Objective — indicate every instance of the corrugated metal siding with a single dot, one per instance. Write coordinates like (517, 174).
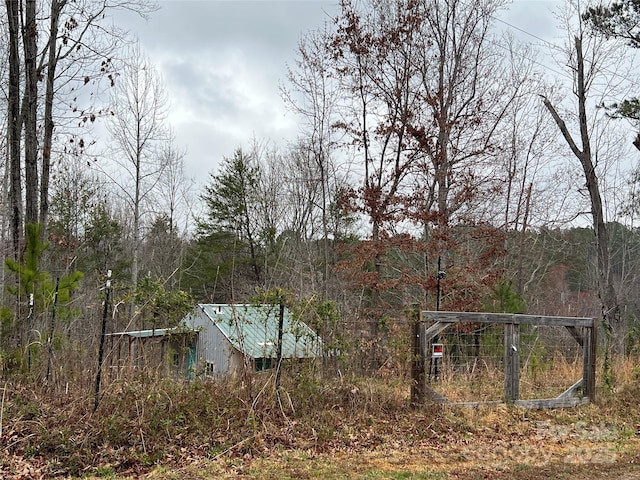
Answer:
(254, 330)
(213, 350)
(236, 361)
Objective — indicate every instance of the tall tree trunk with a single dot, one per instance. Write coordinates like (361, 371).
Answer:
(29, 39)
(325, 223)
(56, 7)
(606, 287)
(523, 239)
(14, 127)
(252, 244)
(136, 216)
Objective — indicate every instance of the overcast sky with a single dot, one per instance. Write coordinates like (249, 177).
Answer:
(223, 61)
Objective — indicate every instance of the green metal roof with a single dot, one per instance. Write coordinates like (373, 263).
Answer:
(253, 330)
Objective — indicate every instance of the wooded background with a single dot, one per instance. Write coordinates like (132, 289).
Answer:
(430, 145)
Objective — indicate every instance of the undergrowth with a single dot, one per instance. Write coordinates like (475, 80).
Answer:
(145, 421)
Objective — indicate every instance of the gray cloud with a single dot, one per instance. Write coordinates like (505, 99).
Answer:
(222, 62)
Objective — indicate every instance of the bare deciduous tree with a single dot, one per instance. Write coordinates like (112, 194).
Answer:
(313, 96)
(589, 58)
(173, 194)
(139, 131)
(69, 45)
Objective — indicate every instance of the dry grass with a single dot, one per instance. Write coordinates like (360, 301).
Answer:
(336, 428)
(483, 381)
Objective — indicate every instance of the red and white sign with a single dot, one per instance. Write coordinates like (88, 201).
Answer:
(437, 350)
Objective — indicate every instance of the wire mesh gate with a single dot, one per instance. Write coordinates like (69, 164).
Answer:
(497, 358)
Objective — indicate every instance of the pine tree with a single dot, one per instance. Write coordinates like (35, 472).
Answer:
(619, 20)
(231, 201)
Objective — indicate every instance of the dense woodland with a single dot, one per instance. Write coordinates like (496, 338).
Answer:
(431, 140)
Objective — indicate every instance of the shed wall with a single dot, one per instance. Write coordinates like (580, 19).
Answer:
(213, 351)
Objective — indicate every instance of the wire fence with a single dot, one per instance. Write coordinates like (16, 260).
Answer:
(472, 367)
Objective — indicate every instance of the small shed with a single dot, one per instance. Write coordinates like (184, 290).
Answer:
(232, 335)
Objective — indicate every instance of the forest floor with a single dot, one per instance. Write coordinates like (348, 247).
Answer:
(382, 463)
(547, 446)
(504, 443)
(357, 430)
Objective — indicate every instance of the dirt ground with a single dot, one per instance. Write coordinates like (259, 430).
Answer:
(394, 466)
(549, 451)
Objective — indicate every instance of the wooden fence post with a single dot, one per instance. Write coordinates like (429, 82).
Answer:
(511, 362)
(589, 362)
(418, 377)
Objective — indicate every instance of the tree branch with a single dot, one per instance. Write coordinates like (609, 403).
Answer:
(562, 126)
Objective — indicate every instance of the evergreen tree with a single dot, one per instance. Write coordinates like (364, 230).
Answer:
(504, 299)
(619, 20)
(159, 307)
(231, 200)
(35, 290)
